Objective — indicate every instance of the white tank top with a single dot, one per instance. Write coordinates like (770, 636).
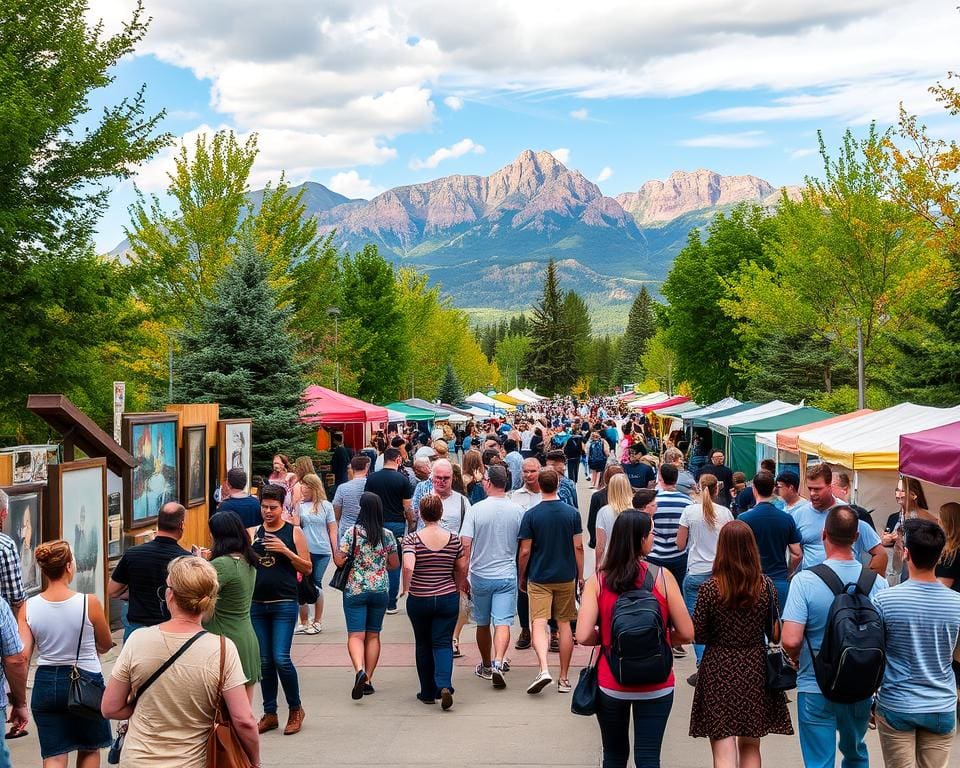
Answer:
(55, 627)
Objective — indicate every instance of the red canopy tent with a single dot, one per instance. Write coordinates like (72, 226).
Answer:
(327, 408)
(679, 399)
(932, 455)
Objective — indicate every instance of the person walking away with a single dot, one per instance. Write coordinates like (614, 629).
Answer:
(722, 472)
(67, 629)
(490, 535)
(776, 534)
(598, 500)
(666, 524)
(514, 461)
(434, 574)
(619, 498)
(699, 531)
(396, 495)
(573, 451)
(731, 704)
(142, 571)
(597, 452)
(235, 562)
(526, 497)
(171, 720)
(239, 501)
(567, 490)
(805, 623)
(314, 515)
(13, 675)
(551, 571)
(626, 569)
(282, 553)
(339, 461)
(346, 499)
(365, 597)
(917, 701)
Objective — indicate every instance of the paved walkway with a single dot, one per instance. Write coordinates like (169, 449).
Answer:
(485, 727)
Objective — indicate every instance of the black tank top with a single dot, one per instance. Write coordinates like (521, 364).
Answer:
(276, 576)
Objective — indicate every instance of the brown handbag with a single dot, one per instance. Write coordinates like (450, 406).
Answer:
(224, 749)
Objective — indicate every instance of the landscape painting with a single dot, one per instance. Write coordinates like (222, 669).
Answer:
(152, 439)
(23, 524)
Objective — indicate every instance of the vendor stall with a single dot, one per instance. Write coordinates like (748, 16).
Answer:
(741, 437)
(334, 410)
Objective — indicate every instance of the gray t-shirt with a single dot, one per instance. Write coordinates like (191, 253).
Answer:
(347, 498)
(493, 524)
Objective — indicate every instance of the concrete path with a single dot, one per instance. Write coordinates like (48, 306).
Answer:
(485, 727)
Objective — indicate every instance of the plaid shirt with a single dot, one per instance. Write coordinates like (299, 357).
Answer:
(11, 580)
(10, 645)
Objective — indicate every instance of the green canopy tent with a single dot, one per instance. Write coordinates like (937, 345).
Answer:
(411, 412)
(705, 419)
(742, 442)
(697, 423)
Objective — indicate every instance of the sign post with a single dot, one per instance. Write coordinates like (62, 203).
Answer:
(119, 401)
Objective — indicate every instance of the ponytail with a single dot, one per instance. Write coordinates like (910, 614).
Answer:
(708, 490)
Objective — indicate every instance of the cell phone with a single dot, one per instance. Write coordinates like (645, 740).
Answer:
(195, 550)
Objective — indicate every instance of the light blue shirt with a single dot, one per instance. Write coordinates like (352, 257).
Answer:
(808, 603)
(922, 624)
(514, 462)
(314, 526)
(810, 522)
(10, 643)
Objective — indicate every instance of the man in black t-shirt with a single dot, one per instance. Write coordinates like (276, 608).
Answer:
(393, 488)
(723, 473)
(339, 462)
(142, 571)
(573, 451)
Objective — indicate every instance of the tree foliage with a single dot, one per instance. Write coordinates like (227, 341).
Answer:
(641, 326)
(549, 363)
(450, 391)
(512, 354)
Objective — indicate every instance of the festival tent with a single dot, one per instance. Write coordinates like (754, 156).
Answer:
(458, 414)
(788, 439)
(932, 455)
(478, 398)
(677, 400)
(720, 405)
(533, 394)
(653, 398)
(741, 437)
(411, 412)
(395, 416)
(665, 418)
(523, 397)
(324, 407)
(503, 398)
(426, 405)
(781, 446)
(720, 425)
(478, 412)
(702, 417)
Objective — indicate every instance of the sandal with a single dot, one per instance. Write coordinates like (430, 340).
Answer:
(456, 650)
(16, 733)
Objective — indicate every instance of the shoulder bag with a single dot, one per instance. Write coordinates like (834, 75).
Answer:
(85, 692)
(584, 699)
(113, 756)
(341, 576)
(224, 749)
(781, 675)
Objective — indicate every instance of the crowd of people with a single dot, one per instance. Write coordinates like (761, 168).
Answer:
(484, 524)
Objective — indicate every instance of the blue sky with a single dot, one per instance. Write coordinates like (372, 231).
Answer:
(363, 96)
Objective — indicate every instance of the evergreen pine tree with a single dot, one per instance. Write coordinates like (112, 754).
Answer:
(451, 391)
(237, 351)
(549, 363)
(641, 326)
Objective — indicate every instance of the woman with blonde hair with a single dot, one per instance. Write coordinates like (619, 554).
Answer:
(302, 467)
(619, 498)
(171, 718)
(68, 629)
(699, 531)
(316, 518)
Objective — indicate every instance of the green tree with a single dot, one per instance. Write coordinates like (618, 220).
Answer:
(512, 354)
(451, 391)
(604, 360)
(659, 362)
(549, 363)
(63, 310)
(576, 317)
(238, 351)
(794, 367)
(641, 326)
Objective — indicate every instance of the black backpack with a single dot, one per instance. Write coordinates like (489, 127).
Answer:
(596, 451)
(850, 663)
(638, 650)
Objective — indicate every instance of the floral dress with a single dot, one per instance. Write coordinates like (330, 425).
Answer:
(369, 572)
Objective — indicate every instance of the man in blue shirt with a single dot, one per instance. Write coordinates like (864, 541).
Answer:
(514, 461)
(775, 532)
(239, 501)
(567, 492)
(804, 622)
(638, 472)
(917, 701)
(810, 519)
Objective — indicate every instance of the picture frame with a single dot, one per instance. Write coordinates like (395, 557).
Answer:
(24, 524)
(193, 462)
(154, 481)
(235, 441)
(77, 512)
(30, 465)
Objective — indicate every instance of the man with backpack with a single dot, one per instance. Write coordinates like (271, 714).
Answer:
(833, 628)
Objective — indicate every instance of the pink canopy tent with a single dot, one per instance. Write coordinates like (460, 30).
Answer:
(324, 406)
(932, 455)
(665, 404)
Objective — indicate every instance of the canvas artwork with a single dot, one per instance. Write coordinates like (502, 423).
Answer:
(236, 447)
(30, 466)
(194, 465)
(23, 526)
(83, 509)
(154, 477)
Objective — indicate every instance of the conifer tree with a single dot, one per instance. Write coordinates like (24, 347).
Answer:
(641, 325)
(237, 350)
(549, 363)
(451, 391)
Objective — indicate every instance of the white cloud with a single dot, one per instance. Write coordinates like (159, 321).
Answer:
(562, 154)
(805, 152)
(349, 184)
(604, 174)
(580, 114)
(462, 147)
(741, 140)
(454, 102)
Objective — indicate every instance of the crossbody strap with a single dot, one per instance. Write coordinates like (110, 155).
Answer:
(163, 667)
(83, 621)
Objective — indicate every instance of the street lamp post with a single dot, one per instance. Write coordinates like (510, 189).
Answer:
(334, 312)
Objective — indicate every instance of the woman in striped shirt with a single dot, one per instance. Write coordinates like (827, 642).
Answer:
(434, 570)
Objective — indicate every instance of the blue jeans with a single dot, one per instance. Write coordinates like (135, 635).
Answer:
(649, 723)
(273, 624)
(821, 721)
(320, 563)
(782, 588)
(433, 620)
(691, 588)
(399, 530)
(363, 612)
(4, 752)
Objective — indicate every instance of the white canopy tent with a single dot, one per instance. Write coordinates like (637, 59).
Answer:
(720, 405)
(651, 399)
(478, 398)
(534, 395)
(523, 397)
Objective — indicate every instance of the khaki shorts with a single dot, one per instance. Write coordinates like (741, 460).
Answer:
(556, 601)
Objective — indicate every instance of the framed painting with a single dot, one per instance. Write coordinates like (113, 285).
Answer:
(23, 525)
(30, 465)
(194, 466)
(236, 448)
(152, 440)
(77, 512)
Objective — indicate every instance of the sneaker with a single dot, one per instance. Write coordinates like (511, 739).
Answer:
(358, 683)
(446, 698)
(496, 674)
(563, 686)
(505, 664)
(311, 629)
(392, 611)
(555, 642)
(368, 689)
(423, 700)
(693, 679)
(317, 626)
(301, 629)
(540, 682)
(484, 672)
(679, 652)
(523, 642)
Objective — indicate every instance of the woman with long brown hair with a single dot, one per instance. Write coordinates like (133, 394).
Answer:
(731, 703)
(473, 475)
(948, 569)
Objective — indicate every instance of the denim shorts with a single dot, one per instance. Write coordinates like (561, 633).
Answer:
(320, 563)
(493, 600)
(59, 731)
(364, 612)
